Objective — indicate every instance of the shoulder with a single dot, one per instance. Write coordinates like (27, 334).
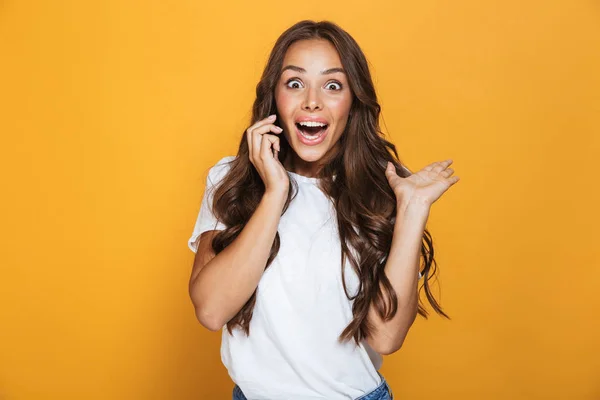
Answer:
(218, 171)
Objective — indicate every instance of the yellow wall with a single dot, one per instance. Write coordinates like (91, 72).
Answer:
(111, 112)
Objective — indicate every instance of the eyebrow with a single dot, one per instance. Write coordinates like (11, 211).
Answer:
(325, 72)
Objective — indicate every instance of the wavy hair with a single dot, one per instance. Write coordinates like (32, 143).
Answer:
(365, 212)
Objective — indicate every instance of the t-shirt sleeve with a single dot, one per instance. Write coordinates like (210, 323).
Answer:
(206, 220)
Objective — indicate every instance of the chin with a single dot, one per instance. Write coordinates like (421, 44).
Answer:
(309, 154)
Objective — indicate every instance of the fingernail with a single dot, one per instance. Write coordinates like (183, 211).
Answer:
(272, 116)
(278, 128)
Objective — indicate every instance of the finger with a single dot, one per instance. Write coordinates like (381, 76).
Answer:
(390, 170)
(391, 175)
(277, 145)
(261, 130)
(257, 134)
(439, 166)
(442, 165)
(447, 172)
(256, 143)
(268, 142)
(258, 124)
(269, 120)
(249, 140)
(431, 166)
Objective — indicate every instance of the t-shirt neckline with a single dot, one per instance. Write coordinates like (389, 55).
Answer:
(303, 178)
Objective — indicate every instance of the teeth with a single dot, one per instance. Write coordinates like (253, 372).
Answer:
(311, 124)
(314, 137)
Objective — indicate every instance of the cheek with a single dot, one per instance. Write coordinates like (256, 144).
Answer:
(340, 108)
(285, 103)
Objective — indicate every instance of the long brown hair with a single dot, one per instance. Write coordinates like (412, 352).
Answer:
(365, 203)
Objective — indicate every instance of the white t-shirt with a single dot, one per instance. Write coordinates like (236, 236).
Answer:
(300, 311)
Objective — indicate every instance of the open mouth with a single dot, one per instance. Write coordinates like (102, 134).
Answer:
(311, 130)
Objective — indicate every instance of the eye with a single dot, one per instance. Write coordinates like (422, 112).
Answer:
(293, 83)
(334, 86)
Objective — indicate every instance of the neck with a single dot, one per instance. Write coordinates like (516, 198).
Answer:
(297, 165)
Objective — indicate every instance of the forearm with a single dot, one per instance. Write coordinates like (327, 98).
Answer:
(227, 281)
(402, 270)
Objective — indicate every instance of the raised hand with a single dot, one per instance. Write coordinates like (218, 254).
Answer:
(423, 187)
(263, 148)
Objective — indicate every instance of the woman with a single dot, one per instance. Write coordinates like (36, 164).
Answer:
(308, 241)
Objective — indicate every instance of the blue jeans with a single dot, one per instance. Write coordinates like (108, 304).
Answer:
(381, 392)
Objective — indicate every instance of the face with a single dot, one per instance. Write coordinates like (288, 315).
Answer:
(313, 101)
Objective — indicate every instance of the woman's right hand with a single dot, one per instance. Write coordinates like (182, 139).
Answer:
(265, 160)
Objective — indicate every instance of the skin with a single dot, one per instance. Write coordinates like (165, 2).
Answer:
(318, 90)
(221, 284)
(415, 195)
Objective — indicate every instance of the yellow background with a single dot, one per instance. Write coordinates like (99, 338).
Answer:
(111, 113)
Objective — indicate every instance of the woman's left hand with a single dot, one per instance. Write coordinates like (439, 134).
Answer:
(423, 187)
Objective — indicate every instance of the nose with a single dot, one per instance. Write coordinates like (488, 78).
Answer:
(312, 101)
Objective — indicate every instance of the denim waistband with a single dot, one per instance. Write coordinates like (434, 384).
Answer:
(381, 392)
